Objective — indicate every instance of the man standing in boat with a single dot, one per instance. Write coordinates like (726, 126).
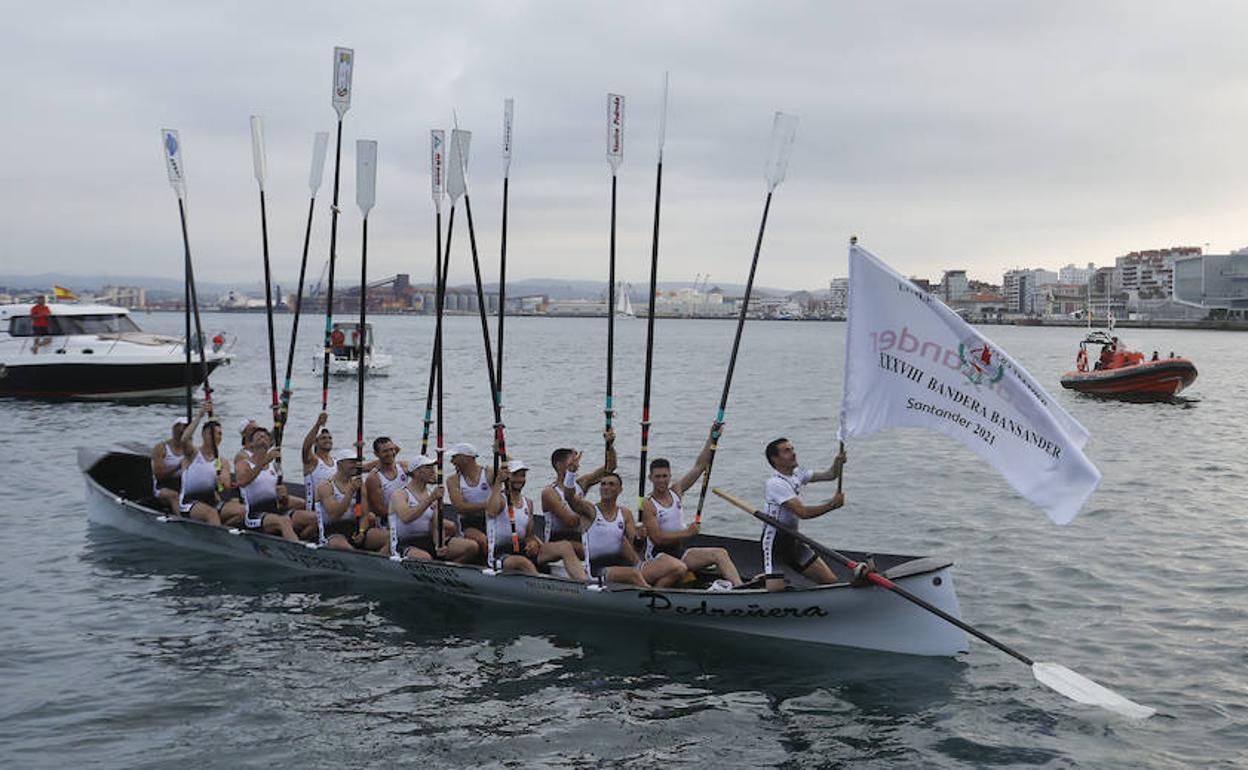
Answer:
(562, 522)
(664, 519)
(40, 324)
(782, 494)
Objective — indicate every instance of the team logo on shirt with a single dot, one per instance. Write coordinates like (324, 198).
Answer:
(979, 362)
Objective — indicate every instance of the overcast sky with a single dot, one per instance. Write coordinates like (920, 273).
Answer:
(945, 135)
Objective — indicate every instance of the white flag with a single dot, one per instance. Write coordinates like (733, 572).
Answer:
(910, 361)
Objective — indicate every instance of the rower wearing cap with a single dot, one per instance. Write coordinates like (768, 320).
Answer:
(333, 501)
(608, 534)
(562, 522)
(412, 519)
(782, 496)
(664, 518)
(511, 477)
(469, 488)
(265, 501)
(167, 460)
(203, 477)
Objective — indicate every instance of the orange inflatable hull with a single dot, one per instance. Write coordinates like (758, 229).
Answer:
(1150, 379)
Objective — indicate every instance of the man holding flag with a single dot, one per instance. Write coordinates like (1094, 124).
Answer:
(782, 494)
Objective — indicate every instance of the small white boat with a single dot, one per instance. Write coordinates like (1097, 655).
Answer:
(118, 490)
(345, 351)
(624, 305)
(93, 351)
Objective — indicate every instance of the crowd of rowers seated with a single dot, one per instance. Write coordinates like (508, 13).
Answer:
(398, 503)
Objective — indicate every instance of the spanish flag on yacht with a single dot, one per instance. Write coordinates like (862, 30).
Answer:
(60, 292)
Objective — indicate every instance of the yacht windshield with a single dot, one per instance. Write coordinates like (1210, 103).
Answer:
(96, 324)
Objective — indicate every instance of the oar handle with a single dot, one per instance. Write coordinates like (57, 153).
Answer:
(840, 477)
(873, 576)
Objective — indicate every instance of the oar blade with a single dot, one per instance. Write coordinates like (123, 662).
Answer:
(365, 174)
(437, 166)
(344, 64)
(783, 133)
(320, 146)
(615, 131)
(1080, 689)
(173, 160)
(509, 106)
(457, 172)
(258, 161)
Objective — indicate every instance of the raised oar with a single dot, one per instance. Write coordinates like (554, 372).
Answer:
(654, 271)
(783, 130)
(500, 438)
(320, 145)
(437, 178)
(261, 169)
(508, 107)
(365, 197)
(1073, 685)
(456, 187)
(615, 156)
(177, 180)
(344, 62)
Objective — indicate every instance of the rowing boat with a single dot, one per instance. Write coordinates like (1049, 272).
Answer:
(118, 494)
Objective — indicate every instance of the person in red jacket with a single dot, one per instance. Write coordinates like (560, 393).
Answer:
(40, 325)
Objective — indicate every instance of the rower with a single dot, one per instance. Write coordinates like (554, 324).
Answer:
(469, 488)
(204, 476)
(782, 495)
(412, 519)
(511, 478)
(317, 456)
(245, 427)
(333, 501)
(664, 519)
(265, 501)
(562, 522)
(608, 535)
(167, 467)
(383, 476)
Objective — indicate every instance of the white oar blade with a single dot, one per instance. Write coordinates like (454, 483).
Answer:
(457, 174)
(173, 160)
(615, 131)
(344, 63)
(508, 109)
(1079, 688)
(783, 133)
(663, 118)
(320, 146)
(365, 174)
(437, 166)
(258, 160)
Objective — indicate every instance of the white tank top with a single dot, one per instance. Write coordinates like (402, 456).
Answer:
(500, 525)
(553, 523)
(421, 526)
(321, 472)
(339, 495)
(262, 488)
(168, 461)
(475, 493)
(199, 477)
(671, 519)
(604, 538)
(390, 486)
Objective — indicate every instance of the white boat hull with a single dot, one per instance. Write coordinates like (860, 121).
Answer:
(377, 365)
(866, 617)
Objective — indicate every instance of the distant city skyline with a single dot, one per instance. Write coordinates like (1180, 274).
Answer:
(952, 135)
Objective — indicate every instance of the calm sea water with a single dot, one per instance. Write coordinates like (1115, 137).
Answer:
(122, 653)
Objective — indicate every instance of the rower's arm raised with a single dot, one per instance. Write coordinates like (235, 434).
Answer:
(833, 473)
(594, 476)
(699, 466)
(309, 443)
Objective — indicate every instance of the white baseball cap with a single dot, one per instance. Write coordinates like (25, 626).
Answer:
(421, 461)
(463, 449)
(343, 454)
(515, 466)
(243, 423)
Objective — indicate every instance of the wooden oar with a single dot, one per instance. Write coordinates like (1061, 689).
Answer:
(615, 156)
(344, 63)
(172, 146)
(500, 453)
(365, 197)
(1073, 685)
(320, 146)
(654, 272)
(260, 165)
(783, 130)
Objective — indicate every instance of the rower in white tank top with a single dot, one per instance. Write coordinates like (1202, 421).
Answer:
(199, 483)
(671, 519)
(171, 461)
(260, 496)
(555, 528)
(604, 541)
(421, 526)
(390, 485)
(499, 527)
(322, 471)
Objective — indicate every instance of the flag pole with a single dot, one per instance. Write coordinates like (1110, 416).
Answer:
(654, 269)
(365, 197)
(261, 169)
(1052, 675)
(615, 156)
(783, 131)
(320, 146)
(500, 452)
(344, 63)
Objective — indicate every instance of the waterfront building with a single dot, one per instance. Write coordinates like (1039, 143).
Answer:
(1149, 274)
(1213, 281)
(1024, 290)
(1072, 274)
(954, 286)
